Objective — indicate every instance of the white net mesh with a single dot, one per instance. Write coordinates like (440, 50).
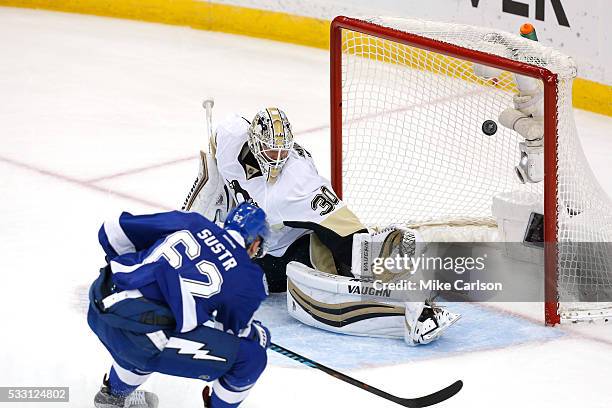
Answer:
(414, 150)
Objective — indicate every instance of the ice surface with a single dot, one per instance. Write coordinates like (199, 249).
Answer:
(100, 115)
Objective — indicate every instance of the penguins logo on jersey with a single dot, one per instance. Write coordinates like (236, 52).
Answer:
(240, 193)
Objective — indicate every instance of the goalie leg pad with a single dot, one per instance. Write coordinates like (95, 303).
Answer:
(353, 306)
(341, 304)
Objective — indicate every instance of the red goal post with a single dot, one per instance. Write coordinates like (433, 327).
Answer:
(549, 79)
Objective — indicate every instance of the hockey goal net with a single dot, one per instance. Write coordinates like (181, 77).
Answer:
(409, 100)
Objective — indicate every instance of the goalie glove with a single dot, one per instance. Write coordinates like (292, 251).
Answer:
(370, 249)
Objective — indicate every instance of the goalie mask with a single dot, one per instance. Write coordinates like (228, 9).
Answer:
(270, 140)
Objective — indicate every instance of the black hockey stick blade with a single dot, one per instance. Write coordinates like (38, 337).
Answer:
(425, 401)
(431, 399)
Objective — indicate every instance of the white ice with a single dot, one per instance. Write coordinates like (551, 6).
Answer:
(101, 115)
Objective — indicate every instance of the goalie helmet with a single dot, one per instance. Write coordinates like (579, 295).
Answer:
(270, 140)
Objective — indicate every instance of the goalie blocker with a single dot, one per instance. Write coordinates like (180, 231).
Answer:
(209, 196)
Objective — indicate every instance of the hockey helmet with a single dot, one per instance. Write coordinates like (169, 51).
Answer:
(270, 140)
(249, 221)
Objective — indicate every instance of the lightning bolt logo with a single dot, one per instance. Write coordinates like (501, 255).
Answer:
(193, 348)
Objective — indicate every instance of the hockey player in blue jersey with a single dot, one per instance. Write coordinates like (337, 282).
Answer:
(178, 297)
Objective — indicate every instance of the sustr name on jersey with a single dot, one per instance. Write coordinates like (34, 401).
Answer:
(217, 247)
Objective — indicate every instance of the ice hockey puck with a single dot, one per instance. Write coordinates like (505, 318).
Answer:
(489, 127)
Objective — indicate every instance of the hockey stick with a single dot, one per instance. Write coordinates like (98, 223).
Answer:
(424, 401)
(208, 104)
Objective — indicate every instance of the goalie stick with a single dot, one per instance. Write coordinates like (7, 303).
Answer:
(208, 104)
(424, 401)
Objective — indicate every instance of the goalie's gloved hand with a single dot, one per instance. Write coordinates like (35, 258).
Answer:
(260, 334)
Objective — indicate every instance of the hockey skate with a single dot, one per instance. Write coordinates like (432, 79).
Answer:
(431, 324)
(206, 396)
(137, 399)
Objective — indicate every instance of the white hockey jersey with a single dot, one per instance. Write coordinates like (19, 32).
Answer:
(299, 196)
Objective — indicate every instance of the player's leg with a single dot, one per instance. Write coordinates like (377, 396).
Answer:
(123, 381)
(232, 363)
(233, 387)
(119, 389)
(130, 352)
(275, 267)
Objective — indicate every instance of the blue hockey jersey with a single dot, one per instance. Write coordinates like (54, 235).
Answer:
(200, 270)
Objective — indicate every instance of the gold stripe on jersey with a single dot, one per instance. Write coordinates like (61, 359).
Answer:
(343, 222)
(321, 257)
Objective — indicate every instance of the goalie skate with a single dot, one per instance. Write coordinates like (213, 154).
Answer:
(432, 323)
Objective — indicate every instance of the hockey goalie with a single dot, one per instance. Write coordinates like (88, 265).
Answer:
(315, 251)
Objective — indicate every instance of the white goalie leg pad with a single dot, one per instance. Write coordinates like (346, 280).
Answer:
(341, 304)
(209, 196)
(354, 306)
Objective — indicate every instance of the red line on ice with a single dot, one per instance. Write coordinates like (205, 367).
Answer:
(81, 183)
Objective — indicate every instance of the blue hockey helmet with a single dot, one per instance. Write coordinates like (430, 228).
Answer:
(249, 221)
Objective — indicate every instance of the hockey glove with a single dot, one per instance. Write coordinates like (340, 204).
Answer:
(260, 334)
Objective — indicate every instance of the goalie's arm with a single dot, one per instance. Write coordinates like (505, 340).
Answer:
(336, 233)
